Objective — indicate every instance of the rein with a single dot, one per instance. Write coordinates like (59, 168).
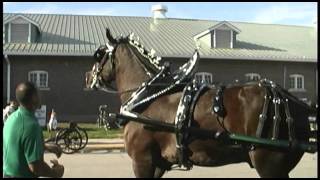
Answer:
(112, 90)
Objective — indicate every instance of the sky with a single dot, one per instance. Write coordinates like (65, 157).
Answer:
(288, 13)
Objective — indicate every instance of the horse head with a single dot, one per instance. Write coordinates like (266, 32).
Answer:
(121, 51)
(102, 73)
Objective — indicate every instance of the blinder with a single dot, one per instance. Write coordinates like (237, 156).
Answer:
(99, 53)
(101, 56)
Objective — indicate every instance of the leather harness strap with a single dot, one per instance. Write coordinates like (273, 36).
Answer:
(263, 115)
(182, 122)
(218, 107)
(278, 97)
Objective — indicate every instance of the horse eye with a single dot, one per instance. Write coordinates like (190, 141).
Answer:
(96, 58)
(99, 53)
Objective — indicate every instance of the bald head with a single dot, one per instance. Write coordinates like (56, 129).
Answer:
(25, 93)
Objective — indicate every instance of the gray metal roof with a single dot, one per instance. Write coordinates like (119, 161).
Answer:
(82, 34)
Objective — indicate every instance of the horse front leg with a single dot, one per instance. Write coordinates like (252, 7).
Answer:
(159, 172)
(141, 160)
(149, 163)
(138, 146)
(143, 168)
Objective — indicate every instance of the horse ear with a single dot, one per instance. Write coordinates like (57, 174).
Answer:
(109, 37)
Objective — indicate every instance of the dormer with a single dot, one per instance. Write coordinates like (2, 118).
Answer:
(221, 35)
(20, 29)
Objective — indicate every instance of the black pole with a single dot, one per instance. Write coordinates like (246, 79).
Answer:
(223, 137)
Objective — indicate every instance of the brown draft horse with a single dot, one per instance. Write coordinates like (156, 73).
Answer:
(152, 152)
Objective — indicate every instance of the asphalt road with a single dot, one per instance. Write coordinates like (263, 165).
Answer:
(117, 164)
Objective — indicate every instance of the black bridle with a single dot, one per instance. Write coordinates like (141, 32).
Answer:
(98, 83)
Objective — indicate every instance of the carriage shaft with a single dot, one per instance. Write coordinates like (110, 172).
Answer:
(223, 137)
(284, 144)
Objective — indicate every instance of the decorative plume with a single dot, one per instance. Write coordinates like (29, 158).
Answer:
(131, 36)
(152, 52)
(149, 55)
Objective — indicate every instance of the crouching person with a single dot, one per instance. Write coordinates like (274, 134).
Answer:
(23, 145)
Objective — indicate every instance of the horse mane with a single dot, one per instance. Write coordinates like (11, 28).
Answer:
(148, 58)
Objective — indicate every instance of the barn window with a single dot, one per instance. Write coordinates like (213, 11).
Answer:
(221, 35)
(252, 77)
(20, 29)
(296, 82)
(204, 77)
(39, 78)
(19, 33)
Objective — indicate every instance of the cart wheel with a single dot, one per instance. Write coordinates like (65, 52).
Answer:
(75, 140)
(68, 140)
(62, 141)
(84, 137)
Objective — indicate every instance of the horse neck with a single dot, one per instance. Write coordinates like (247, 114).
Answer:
(129, 73)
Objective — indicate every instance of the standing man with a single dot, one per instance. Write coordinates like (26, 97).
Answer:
(23, 145)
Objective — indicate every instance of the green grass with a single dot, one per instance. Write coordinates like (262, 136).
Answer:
(92, 130)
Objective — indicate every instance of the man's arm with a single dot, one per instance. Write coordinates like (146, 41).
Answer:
(34, 153)
(53, 148)
(40, 168)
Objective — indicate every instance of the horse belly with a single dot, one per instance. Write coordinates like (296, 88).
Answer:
(210, 153)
